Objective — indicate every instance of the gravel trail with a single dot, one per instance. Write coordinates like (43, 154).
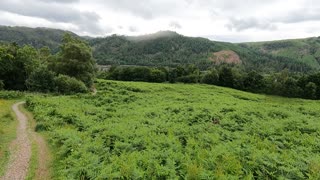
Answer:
(20, 149)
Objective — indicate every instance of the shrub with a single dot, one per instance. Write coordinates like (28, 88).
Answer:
(41, 80)
(210, 78)
(68, 85)
(157, 75)
(193, 78)
(11, 94)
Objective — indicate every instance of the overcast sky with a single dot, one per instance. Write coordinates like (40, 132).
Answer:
(223, 20)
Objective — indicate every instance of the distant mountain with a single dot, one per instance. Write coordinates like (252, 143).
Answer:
(302, 50)
(167, 48)
(37, 37)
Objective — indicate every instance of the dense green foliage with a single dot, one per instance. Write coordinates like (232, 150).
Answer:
(68, 85)
(11, 95)
(75, 60)
(25, 68)
(170, 131)
(16, 64)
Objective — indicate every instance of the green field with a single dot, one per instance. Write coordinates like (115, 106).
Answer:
(132, 130)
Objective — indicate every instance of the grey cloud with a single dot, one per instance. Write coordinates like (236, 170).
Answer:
(146, 9)
(175, 25)
(250, 23)
(189, 1)
(52, 12)
(229, 38)
(133, 29)
(296, 16)
(300, 15)
(142, 8)
(234, 6)
(86, 21)
(60, 1)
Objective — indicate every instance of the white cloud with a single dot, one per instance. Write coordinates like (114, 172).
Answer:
(225, 20)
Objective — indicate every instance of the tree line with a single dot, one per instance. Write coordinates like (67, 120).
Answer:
(284, 83)
(70, 70)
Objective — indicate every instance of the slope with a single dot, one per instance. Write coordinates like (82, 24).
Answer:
(37, 37)
(131, 130)
(301, 50)
(168, 48)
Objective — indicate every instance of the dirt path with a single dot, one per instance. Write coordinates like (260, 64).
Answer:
(43, 154)
(20, 149)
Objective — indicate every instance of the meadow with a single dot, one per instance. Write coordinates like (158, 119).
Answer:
(135, 130)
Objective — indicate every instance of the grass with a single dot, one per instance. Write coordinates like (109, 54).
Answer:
(132, 130)
(7, 132)
(33, 164)
(35, 149)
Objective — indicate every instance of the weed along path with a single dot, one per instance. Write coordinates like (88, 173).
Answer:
(20, 148)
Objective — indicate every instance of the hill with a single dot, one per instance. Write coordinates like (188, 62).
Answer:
(37, 37)
(159, 49)
(301, 50)
(176, 131)
(164, 48)
(171, 49)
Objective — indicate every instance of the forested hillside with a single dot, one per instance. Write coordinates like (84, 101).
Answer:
(170, 49)
(36, 37)
(301, 50)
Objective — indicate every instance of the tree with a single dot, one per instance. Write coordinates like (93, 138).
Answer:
(226, 77)
(16, 64)
(253, 82)
(212, 77)
(157, 75)
(44, 53)
(75, 60)
(291, 88)
(41, 80)
(69, 85)
(310, 90)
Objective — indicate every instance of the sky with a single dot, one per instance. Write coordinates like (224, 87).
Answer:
(221, 20)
